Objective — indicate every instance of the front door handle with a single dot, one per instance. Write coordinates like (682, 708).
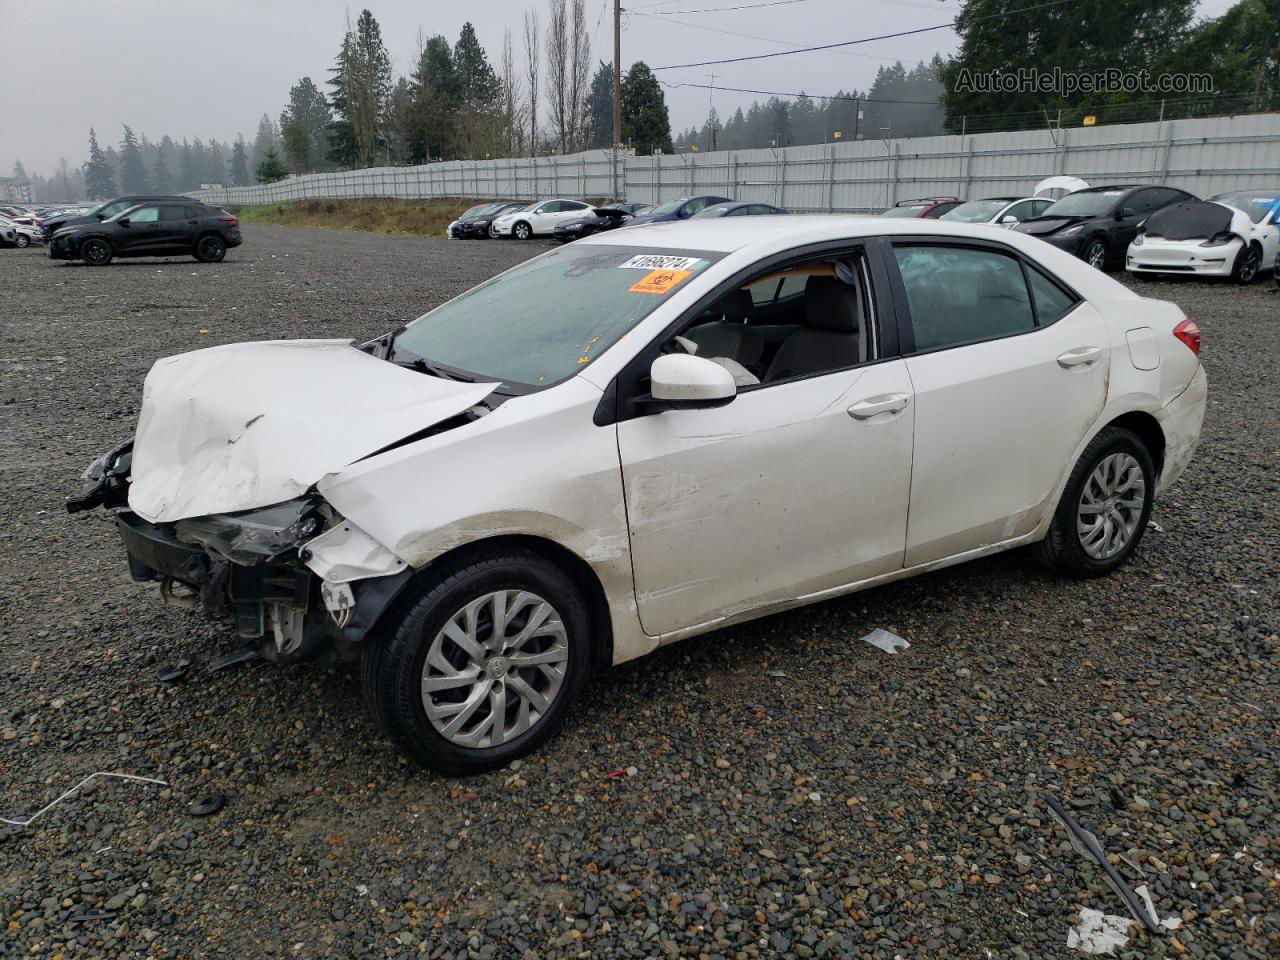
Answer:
(884, 403)
(1081, 356)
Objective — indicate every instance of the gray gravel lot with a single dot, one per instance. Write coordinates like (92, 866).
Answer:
(778, 789)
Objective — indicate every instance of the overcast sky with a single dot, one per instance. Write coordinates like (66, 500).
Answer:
(212, 69)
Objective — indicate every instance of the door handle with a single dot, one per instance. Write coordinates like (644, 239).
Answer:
(885, 403)
(1080, 356)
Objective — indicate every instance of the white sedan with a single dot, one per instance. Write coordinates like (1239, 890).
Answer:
(538, 219)
(688, 425)
(1234, 235)
(24, 229)
(1006, 212)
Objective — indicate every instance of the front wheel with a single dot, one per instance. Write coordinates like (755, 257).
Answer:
(1104, 508)
(483, 665)
(22, 241)
(210, 248)
(95, 252)
(1248, 263)
(1095, 254)
(522, 231)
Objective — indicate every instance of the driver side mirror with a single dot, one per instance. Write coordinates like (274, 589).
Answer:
(1009, 219)
(124, 222)
(682, 381)
(1126, 212)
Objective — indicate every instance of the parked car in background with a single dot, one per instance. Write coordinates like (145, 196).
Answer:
(930, 208)
(600, 219)
(1097, 224)
(25, 230)
(681, 208)
(150, 230)
(1002, 211)
(8, 235)
(474, 224)
(537, 219)
(737, 209)
(1232, 235)
(851, 387)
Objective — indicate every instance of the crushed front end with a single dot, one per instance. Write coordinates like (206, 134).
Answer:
(295, 578)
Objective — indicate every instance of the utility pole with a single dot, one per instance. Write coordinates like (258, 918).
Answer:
(617, 92)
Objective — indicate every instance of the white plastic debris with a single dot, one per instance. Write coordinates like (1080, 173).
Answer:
(1169, 923)
(1098, 932)
(886, 641)
(27, 821)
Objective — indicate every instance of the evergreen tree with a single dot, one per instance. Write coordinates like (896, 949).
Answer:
(477, 92)
(133, 174)
(239, 164)
(188, 168)
(271, 168)
(308, 107)
(162, 169)
(268, 137)
(99, 180)
(600, 108)
(435, 103)
(645, 123)
(361, 79)
(297, 146)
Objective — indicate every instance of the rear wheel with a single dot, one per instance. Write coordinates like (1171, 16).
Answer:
(483, 665)
(96, 252)
(1095, 254)
(522, 231)
(1248, 263)
(1104, 508)
(210, 248)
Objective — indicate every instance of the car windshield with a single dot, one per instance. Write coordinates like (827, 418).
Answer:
(546, 319)
(905, 211)
(671, 206)
(1084, 203)
(975, 211)
(1256, 204)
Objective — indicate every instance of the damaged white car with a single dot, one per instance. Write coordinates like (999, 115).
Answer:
(643, 437)
(1235, 235)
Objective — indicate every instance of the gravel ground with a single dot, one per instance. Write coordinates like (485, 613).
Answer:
(778, 789)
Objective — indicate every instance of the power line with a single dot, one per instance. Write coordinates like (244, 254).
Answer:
(813, 96)
(850, 43)
(745, 6)
(752, 36)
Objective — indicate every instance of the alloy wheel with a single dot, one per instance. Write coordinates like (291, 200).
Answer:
(95, 252)
(495, 668)
(522, 231)
(1097, 255)
(1249, 267)
(1111, 505)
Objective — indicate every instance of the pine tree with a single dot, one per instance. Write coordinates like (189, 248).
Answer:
(267, 137)
(600, 108)
(271, 168)
(645, 123)
(307, 107)
(133, 173)
(188, 168)
(162, 170)
(239, 164)
(99, 181)
(297, 146)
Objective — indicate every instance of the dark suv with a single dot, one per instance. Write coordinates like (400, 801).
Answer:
(150, 230)
(104, 211)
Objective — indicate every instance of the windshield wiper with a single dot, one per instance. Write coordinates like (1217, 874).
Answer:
(435, 369)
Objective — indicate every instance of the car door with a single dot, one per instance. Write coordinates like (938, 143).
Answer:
(794, 488)
(1022, 210)
(177, 225)
(141, 234)
(569, 210)
(1131, 212)
(1009, 369)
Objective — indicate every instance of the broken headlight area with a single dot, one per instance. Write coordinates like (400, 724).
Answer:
(109, 475)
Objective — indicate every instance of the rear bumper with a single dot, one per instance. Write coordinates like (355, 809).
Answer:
(1180, 420)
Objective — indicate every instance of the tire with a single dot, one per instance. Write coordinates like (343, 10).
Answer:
(22, 241)
(1069, 547)
(522, 231)
(96, 252)
(493, 233)
(210, 248)
(413, 647)
(1095, 254)
(1247, 266)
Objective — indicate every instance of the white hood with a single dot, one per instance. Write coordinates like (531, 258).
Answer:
(251, 424)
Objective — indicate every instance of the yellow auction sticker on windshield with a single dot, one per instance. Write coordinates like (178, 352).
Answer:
(660, 281)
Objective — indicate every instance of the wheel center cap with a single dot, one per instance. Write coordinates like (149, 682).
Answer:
(496, 668)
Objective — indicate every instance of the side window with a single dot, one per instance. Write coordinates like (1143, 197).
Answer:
(568, 205)
(764, 290)
(549, 207)
(1145, 201)
(173, 213)
(693, 206)
(144, 215)
(1023, 210)
(963, 294)
(1052, 302)
(1040, 206)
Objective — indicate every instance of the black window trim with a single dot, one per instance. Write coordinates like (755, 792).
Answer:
(620, 398)
(902, 309)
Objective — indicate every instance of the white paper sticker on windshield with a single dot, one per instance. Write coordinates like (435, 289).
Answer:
(660, 261)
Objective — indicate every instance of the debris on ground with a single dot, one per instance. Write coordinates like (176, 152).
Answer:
(886, 641)
(1098, 932)
(27, 821)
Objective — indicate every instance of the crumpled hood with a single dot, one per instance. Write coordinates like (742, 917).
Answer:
(1039, 226)
(252, 424)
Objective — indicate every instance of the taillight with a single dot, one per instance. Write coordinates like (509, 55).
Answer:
(1189, 333)
(229, 219)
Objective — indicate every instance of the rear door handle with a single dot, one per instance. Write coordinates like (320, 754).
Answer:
(884, 403)
(1081, 356)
